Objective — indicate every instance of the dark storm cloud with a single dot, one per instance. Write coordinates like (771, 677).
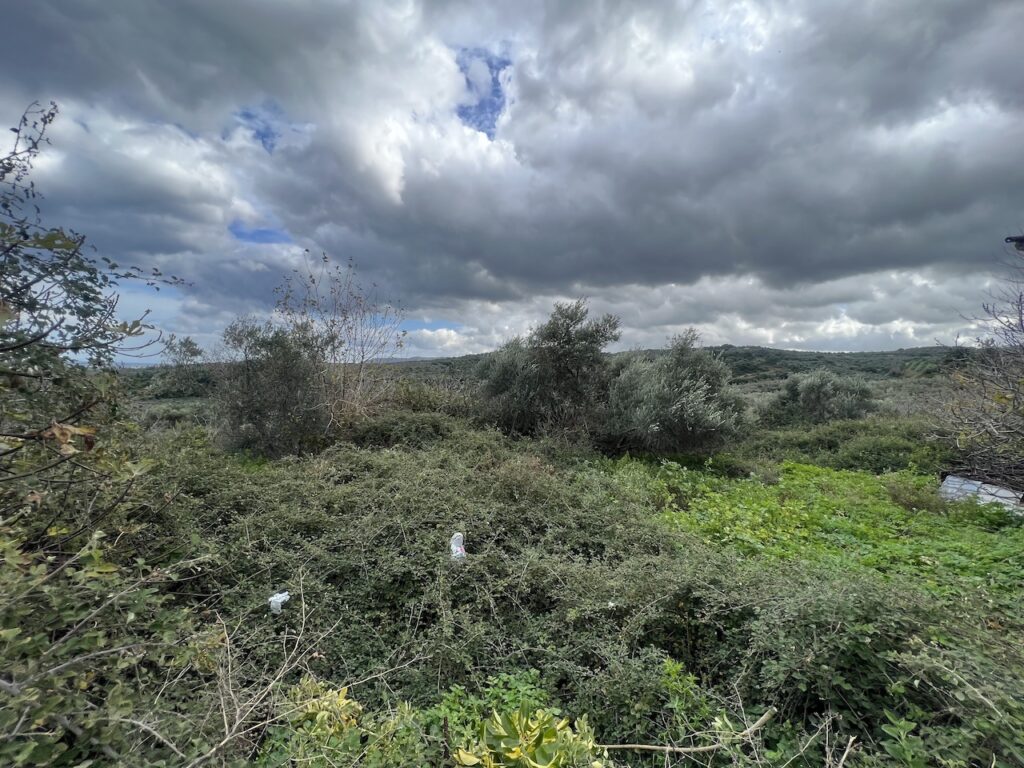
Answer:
(786, 172)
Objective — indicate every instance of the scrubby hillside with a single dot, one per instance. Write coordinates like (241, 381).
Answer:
(249, 561)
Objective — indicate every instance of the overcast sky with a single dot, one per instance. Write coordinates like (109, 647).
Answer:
(793, 173)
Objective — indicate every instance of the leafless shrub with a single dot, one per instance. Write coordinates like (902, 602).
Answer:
(983, 418)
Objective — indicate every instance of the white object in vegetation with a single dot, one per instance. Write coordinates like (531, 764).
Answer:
(458, 550)
(955, 488)
(276, 601)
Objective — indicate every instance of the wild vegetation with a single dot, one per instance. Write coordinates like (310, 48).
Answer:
(664, 565)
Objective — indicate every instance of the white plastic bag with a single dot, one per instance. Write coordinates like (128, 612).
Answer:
(458, 550)
(276, 601)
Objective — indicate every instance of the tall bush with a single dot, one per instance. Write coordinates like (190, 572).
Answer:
(88, 633)
(287, 384)
(556, 377)
(818, 397)
(982, 420)
(268, 401)
(676, 402)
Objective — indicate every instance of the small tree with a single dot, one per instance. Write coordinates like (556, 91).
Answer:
(286, 384)
(184, 374)
(676, 402)
(816, 398)
(268, 395)
(75, 673)
(556, 377)
(59, 330)
(351, 330)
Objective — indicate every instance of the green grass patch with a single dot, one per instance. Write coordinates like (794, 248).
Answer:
(966, 551)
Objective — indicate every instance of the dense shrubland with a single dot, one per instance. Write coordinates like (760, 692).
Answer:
(802, 596)
(554, 379)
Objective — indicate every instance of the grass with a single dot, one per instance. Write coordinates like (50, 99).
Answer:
(963, 551)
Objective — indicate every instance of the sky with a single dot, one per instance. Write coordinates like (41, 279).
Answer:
(792, 173)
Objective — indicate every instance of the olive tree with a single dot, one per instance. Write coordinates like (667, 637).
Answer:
(556, 377)
(287, 384)
(678, 401)
(818, 397)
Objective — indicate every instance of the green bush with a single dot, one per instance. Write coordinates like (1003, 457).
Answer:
(818, 397)
(391, 428)
(554, 379)
(874, 445)
(673, 403)
(809, 595)
(268, 399)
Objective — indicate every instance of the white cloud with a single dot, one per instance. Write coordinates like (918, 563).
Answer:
(789, 173)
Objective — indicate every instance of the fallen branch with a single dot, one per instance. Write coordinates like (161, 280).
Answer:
(694, 750)
(846, 754)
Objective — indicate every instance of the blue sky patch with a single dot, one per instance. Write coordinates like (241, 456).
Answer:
(482, 71)
(258, 234)
(265, 121)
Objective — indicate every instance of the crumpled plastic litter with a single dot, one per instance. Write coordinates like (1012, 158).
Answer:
(458, 550)
(276, 601)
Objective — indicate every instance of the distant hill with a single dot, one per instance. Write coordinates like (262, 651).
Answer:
(748, 364)
(751, 363)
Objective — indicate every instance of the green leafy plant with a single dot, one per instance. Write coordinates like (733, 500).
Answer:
(902, 745)
(537, 739)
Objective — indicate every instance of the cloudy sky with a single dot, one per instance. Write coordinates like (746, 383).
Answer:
(794, 173)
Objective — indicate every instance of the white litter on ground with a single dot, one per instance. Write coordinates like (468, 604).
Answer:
(458, 550)
(276, 601)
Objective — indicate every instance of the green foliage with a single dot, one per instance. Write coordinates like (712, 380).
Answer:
(675, 402)
(322, 726)
(816, 398)
(822, 514)
(873, 445)
(460, 712)
(268, 401)
(883, 604)
(413, 429)
(90, 635)
(558, 380)
(555, 378)
(165, 414)
(763, 363)
(819, 595)
(451, 395)
(86, 645)
(288, 385)
(538, 739)
(906, 749)
(184, 375)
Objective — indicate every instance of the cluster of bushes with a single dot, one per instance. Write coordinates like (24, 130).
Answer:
(873, 444)
(816, 398)
(269, 396)
(557, 379)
